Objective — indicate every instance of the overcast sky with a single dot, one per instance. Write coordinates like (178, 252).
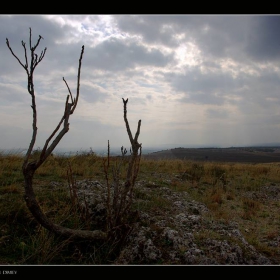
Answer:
(204, 80)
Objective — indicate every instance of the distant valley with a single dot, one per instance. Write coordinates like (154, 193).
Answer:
(232, 154)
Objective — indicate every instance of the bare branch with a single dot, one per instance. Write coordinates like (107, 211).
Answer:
(42, 55)
(44, 155)
(68, 90)
(30, 37)
(34, 134)
(38, 41)
(78, 81)
(69, 109)
(126, 121)
(106, 167)
(29, 168)
(135, 145)
(8, 44)
(119, 202)
(138, 131)
(25, 55)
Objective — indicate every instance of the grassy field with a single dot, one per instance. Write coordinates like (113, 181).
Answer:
(243, 192)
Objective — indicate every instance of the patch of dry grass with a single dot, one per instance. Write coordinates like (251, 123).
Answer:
(231, 191)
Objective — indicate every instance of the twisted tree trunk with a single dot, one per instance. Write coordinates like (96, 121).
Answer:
(29, 167)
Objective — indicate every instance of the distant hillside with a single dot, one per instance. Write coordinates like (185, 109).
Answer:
(238, 154)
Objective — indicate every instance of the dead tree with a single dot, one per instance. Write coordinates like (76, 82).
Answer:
(119, 209)
(121, 203)
(30, 166)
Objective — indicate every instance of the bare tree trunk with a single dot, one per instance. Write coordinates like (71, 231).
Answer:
(36, 211)
(29, 167)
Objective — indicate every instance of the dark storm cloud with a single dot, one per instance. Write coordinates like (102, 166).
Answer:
(260, 93)
(161, 29)
(268, 81)
(216, 35)
(115, 55)
(222, 36)
(19, 29)
(203, 88)
(16, 30)
(227, 65)
(93, 94)
(149, 27)
(264, 38)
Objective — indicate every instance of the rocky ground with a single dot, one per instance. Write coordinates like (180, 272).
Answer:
(181, 232)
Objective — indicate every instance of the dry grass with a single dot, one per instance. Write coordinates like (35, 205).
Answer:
(231, 191)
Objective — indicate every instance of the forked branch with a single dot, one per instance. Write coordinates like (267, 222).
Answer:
(134, 144)
(28, 167)
(122, 198)
(68, 110)
(119, 208)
